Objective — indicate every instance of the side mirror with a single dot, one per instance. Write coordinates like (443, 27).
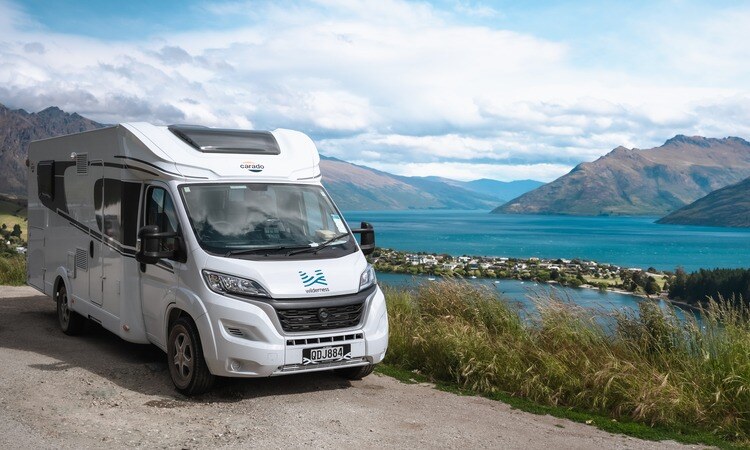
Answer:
(366, 237)
(150, 240)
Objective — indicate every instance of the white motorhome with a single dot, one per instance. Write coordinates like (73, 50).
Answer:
(221, 247)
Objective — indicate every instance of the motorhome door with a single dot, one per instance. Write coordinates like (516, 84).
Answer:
(157, 279)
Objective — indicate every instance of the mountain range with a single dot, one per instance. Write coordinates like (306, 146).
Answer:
(655, 181)
(352, 186)
(725, 207)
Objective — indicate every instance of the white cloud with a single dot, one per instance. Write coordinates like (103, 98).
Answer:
(395, 84)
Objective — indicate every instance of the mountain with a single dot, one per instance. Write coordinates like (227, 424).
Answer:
(356, 187)
(351, 186)
(501, 190)
(725, 207)
(641, 182)
(18, 128)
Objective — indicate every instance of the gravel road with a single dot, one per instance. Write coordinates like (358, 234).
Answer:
(99, 391)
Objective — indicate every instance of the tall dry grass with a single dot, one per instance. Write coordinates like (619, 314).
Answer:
(648, 365)
(12, 270)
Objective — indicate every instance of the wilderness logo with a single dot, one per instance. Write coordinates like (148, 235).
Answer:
(316, 278)
(252, 167)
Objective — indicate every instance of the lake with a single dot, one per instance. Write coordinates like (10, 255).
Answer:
(623, 241)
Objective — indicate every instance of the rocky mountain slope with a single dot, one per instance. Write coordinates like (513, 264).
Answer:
(18, 128)
(641, 182)
(725, 207)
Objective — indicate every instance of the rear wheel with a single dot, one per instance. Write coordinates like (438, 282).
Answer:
(187, 366)
(71, 323)
(355, 373)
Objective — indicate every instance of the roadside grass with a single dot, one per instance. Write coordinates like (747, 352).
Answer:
(13, 270)
(644, 373)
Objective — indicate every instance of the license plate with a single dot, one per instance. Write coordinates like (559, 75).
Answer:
(325, 354)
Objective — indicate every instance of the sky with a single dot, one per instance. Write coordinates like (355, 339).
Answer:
(459, 89)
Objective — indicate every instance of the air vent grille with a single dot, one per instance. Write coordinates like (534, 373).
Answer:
(82, 163)
(324, 340)
(309, 319)
(235, 331)
(82, 259)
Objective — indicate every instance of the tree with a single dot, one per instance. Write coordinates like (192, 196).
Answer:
(16, 231)
(652, 287)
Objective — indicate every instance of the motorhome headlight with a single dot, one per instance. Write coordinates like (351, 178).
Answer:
(367, 278)
(229, 284)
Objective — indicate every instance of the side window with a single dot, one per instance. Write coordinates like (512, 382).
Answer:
(160, 211)
(112, 209)
(45, 180)
(313, 213)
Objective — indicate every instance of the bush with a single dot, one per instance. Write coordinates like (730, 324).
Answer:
(649, 365)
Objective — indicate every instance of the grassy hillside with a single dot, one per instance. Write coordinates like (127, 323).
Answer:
(12, 213)
(726, 207)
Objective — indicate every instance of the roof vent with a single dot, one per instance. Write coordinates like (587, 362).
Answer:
(219, 140)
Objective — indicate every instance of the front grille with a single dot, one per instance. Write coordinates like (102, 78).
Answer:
(308, 319)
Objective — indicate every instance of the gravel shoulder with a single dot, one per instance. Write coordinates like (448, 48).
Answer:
(99, 391)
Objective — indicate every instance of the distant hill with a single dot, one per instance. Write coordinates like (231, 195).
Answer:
(352, 186)
(501, 190)
(18, 128)
(641, 182)
(725, 207)
(356, 187)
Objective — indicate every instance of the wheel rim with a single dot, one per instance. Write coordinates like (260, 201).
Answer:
(182, 357)
(64, 311)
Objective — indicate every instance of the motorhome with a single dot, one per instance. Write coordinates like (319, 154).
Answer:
(221, 247)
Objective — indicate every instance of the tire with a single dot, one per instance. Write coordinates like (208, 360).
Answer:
(71, 323)
(355, 373)
(187, 366)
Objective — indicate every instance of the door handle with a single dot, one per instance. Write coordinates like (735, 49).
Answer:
(91, 248)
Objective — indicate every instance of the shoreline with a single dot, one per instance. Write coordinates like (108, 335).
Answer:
(572, 273)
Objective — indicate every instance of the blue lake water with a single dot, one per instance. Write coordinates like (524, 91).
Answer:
(624, 241)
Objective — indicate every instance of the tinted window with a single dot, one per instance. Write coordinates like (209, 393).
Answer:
(45, 177)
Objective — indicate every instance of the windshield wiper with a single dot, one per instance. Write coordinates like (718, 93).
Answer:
(320, 247)
(271, 248)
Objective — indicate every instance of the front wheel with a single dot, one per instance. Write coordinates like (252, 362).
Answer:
(355, 373)
(71, 323)
(187, 366)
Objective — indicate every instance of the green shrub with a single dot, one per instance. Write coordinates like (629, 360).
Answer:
(649, 365)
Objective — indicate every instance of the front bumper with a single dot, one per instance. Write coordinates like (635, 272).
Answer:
(245, 339)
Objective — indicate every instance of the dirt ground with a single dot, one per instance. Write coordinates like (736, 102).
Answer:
(99, 391)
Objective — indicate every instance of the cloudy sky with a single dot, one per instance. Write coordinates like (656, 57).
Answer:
(462, 89)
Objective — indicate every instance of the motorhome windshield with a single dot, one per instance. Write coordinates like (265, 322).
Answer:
(266, 221)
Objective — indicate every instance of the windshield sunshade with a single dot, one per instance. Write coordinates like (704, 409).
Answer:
(219, 140)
